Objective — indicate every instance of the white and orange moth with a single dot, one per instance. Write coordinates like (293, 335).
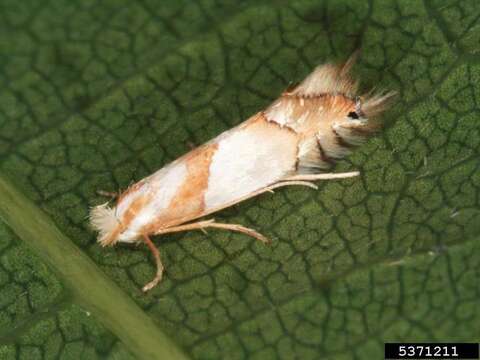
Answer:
(292, 142)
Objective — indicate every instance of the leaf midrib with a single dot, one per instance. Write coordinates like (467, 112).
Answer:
(90, 287)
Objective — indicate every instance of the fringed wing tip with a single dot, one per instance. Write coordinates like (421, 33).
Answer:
(102, 219)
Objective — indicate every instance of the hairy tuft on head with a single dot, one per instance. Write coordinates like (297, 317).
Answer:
(103, 219)
(376, 104)
(333, 79)
(329, 79)
(329, 101)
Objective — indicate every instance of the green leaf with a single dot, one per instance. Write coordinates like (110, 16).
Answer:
(98, 94)
(87, 284)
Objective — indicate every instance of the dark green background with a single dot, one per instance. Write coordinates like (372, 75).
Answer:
(98, 94)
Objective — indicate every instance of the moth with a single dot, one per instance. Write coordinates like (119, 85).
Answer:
(293, 142)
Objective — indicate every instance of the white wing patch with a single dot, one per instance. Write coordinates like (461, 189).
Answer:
(163, 185)
(248, 160)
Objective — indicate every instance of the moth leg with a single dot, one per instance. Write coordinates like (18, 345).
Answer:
(110, 194)
(201, 225)
(304, 180)
(284, 183)
(242, 229)
(329, 176)
(158, 261)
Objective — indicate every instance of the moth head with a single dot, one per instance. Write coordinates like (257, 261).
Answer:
(359, 117)
(338, 97)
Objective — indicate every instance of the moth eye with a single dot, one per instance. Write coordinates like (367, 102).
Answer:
(353, 115)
